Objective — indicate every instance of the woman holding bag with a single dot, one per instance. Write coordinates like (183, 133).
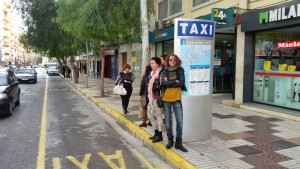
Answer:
(126, 77)
(154, 90)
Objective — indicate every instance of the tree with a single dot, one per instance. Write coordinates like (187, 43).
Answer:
(43, 35)
(108, 23)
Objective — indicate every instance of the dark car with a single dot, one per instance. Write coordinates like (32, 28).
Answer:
(26, 74)
(9, 92)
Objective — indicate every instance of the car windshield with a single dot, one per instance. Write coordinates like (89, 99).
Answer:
(3, 79)
(30, 71)
(52, 67)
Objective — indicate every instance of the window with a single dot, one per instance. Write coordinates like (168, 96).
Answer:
(168, 8)
(198, 2)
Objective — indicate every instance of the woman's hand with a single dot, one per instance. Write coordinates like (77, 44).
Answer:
(165, 78)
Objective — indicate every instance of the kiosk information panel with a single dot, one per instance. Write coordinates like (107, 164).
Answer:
(194, 41)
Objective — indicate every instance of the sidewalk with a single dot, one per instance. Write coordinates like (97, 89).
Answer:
(241, 138)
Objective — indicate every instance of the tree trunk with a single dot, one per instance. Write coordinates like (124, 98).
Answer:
(145, 36)
(74, 70)
(102, 55)
(102, 75)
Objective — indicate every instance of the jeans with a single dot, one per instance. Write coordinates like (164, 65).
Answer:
(177, 109)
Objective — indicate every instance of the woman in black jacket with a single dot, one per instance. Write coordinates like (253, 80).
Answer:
(126, 77)
(143, 93)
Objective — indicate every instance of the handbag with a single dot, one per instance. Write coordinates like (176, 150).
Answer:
(143, 101)
(159, 102)
(119, 89)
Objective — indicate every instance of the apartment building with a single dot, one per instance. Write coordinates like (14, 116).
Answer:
(11, 49)
(5, 27)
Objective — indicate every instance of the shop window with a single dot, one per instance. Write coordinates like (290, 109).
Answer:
(277, 68)
(167, 8)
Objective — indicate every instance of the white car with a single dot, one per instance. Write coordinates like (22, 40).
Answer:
(52, 71)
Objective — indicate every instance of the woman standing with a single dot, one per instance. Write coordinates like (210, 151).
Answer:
(154, 90)
(144, 93)
(173, 84)
(126, 77)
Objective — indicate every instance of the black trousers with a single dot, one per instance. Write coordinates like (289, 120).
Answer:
(126, 98)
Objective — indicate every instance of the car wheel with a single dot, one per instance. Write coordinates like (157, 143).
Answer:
(10, 108)
(18, 101)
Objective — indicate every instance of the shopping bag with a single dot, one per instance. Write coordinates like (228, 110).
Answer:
(119, 89)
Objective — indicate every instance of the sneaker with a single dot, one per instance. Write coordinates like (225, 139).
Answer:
(143, 125)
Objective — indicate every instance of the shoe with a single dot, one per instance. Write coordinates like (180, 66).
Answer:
(155, 134)
(170, 143)
(143, 125)
(179, 146)
(158, 138)
(149, 124)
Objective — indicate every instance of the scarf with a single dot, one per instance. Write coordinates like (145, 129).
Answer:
(154, 75)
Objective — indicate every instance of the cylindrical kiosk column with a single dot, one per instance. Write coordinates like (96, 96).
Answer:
(194, 41)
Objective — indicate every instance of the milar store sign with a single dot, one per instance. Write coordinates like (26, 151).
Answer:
(279, 14)
(288, 44)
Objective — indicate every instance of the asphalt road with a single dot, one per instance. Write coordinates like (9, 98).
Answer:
(55, 127)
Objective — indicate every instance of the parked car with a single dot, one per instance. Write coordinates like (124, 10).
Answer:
(26, 74)
(9, 92)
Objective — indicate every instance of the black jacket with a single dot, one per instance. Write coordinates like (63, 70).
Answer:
(173, 75)
(156, 89)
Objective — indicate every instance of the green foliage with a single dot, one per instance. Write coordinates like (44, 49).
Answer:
(109, 21)
(42, 34)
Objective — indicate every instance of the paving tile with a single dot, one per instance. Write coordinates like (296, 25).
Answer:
(255, 140)
(257, 160)
(237, 143)
(273, 119)
(246, 150)
(294, 140)
(221, 135)
(267, 147)
(283, 144)
(291, 164)
(236, 163)
(275, 157)
(293, 153)
(241, 135)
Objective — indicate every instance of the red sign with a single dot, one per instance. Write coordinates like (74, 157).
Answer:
(288, 44)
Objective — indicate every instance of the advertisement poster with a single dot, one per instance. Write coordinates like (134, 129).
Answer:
(196, 59)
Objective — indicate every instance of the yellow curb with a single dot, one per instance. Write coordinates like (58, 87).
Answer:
(174, 158)
(160, 149)
(169, 155)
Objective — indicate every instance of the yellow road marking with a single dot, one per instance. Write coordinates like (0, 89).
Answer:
(118, 156)
(56, 163)
(143, 160)
(40, 164)
(83, 164)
